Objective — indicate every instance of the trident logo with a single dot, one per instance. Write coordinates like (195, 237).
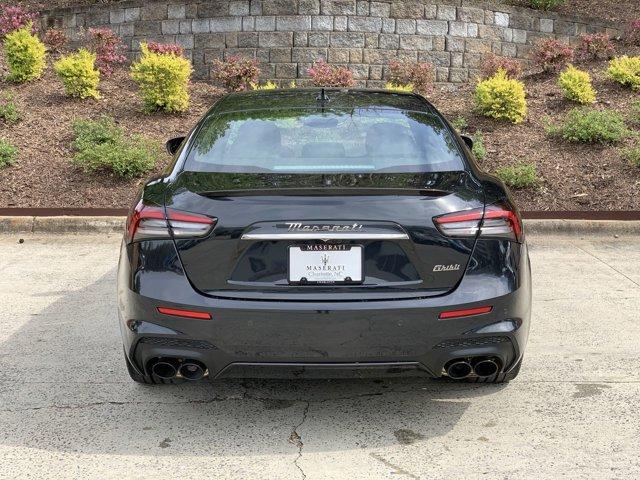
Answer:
(325, 259)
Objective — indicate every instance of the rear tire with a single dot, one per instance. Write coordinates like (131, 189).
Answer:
(500, 377)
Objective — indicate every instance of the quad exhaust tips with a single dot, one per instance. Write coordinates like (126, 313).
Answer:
(481, 366)
(169, 368)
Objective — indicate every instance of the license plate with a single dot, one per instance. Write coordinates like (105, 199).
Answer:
(325, 264)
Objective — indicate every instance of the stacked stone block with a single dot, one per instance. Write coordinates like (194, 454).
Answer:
(364, 35)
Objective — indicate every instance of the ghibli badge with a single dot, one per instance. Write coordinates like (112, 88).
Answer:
(446, 268)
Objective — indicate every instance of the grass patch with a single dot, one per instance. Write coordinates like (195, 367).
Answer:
(8, 110)
(8, 153)
(520, 175)
(102, 146)
(634, 113)
(632, 155)
(479, 150)
(460, 123)
(588, 125)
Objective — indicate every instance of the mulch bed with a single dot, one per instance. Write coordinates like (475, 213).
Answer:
(622, 11)
(44, 175)
(574, 177)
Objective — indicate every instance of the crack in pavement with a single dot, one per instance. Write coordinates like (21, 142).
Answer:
(610, 266)
(296, 439)
(396, 469)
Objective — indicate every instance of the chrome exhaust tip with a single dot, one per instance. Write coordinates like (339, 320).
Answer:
(485, 367)
(459, 369)
(165, 370)
(191, 371)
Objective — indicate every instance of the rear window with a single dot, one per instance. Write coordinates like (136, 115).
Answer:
(312, 141)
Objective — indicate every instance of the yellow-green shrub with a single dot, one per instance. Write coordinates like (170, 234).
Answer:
(626, 71)
(265, 86)
(502, 98)
(25, 55)
(576, 85)
(163, 79)
(397, 87)
(78, 74)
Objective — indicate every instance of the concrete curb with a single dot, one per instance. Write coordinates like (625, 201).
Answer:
(54, 225)
(99, 225)
(582, 227)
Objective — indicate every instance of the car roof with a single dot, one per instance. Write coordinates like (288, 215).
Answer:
(338, 99)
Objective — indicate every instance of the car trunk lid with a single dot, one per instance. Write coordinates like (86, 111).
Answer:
(387, 218)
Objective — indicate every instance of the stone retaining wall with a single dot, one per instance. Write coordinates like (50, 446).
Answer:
(288, 35)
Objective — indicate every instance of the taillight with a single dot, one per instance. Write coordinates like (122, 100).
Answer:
(498, 220)
(502, 220)
(147, 222)
(460, 224)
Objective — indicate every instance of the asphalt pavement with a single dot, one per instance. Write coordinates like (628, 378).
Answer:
(69, 410)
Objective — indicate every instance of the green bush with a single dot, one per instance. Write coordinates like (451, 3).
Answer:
(632, 155)
(502, 98)
(163, 79)
(479, 150)
(460, 123)
(592, 126)
(545, 4)
(79, 75)
(8, 153)
(397, 87)
(102, 146)
(626, 71)
(265, 86)
(8, 111)
(25, 55)
(634, 114)
(576, 85)
(520, 175)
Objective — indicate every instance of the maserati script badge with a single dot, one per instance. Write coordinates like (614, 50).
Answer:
(301, 227)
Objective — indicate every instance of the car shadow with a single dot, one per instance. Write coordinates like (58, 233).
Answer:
(65, 388)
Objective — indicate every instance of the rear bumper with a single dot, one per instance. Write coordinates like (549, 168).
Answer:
(322, 339)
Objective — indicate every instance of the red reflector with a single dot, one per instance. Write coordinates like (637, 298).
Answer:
(467, 312)
(177, 312)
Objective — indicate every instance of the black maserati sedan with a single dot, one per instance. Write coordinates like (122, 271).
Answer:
(323, 233)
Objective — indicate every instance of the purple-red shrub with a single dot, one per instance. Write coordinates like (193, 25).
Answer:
(552, 55)
(165, 48)
(419, 74)
(633, 32)
(594, 46)
(108, 48)
(14, 18)
(236, 73)
(492, 63)
(325, 75)
(55, 40)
